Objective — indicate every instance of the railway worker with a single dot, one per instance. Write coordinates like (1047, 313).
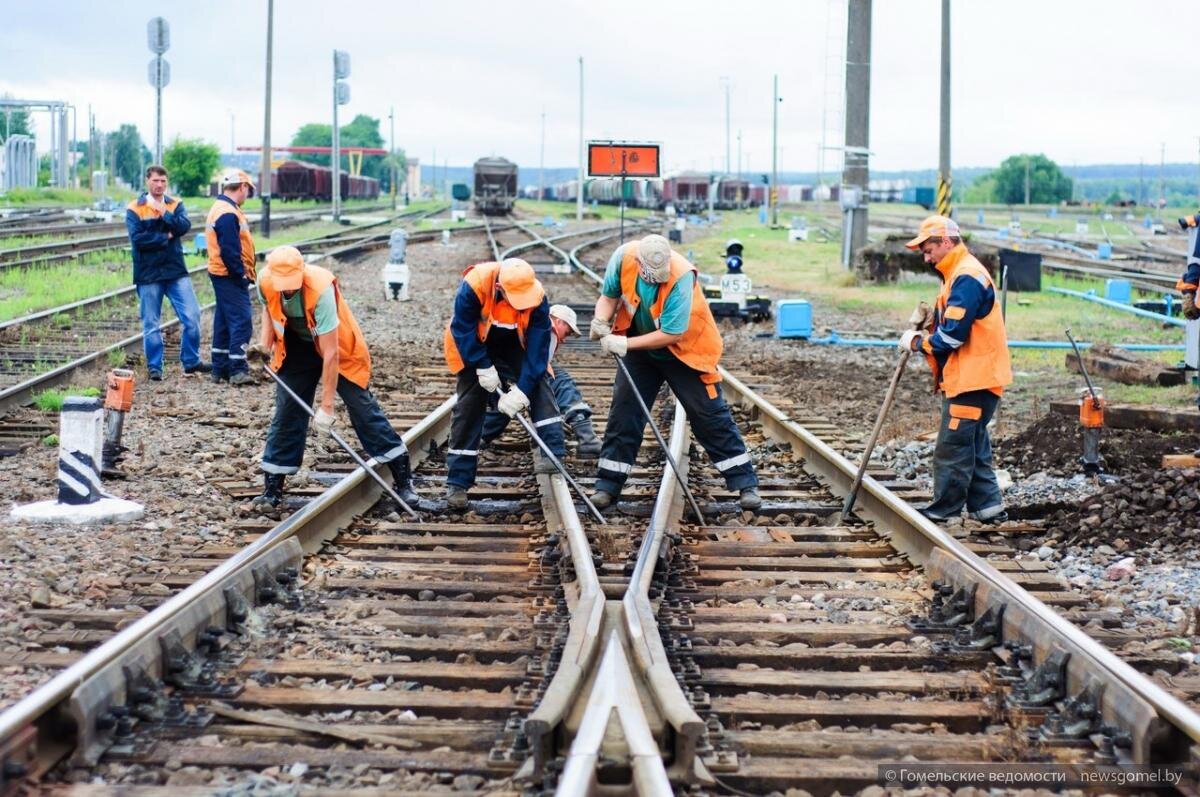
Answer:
(652, 313)
(156, 224)
(311, 336)
(964, 340)
(231, 269)
(576, 412)
(500, 331)
(1190, 280)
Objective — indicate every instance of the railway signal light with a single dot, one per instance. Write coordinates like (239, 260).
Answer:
(341, 64)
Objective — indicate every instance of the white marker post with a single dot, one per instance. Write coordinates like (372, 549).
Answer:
(81, 499)
(396, 275)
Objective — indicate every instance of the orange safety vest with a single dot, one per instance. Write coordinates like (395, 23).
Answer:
(982, 363)
(700, 346)
(216, 266)
(493, 311)
(354, 361)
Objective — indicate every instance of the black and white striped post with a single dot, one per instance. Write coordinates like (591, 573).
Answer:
(80, 498)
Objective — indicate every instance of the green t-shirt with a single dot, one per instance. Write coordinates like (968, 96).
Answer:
(325, 312)
(677, 309)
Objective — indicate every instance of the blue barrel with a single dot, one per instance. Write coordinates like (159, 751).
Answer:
(793, 319)
(1104, 252)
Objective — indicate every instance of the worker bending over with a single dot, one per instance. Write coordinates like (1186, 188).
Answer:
(964, 340)
(664, 330)
(311, 336)
(500, 331)
(576, 412)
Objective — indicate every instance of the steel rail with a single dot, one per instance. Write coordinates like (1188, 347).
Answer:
(582, 644)
(306, 530)
(1156, 720)
(641, 625)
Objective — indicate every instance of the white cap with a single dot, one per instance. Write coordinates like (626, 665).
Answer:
(654, 256)
(235, 177)
(566, 315)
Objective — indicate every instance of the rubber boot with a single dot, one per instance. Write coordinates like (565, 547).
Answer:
(602, 500)
(272, 495)
(750, 499)
(542, 463)
(585, 435)
(456, 497)
(401, 469)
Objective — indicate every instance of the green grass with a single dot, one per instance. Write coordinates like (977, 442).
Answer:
(812, 270)
(52, 400)
(566, 210)
(56, 196)
(21, 241)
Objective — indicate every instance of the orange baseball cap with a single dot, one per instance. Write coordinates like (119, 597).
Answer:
(521, 287)
(934, 227)
(285, 264)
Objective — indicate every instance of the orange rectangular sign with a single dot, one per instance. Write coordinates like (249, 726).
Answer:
(616, 159)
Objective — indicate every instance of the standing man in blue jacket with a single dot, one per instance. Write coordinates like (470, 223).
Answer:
(157, 224)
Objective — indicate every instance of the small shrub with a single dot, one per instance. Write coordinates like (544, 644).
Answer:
(117, 358)
(50, 440)
(52, 400)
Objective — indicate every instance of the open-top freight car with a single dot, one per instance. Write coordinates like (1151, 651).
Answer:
(495, 185)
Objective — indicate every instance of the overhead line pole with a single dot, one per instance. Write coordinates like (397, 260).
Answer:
(264, 165)
(775, 154)
(944, 192)
(856, 171)
(579, 188)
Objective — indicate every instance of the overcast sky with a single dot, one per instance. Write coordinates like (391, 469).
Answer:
(1083, 81)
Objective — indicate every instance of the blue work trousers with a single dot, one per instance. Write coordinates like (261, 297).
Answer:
(301, 371)
(232, 325)
(567, 397)
(962, 459)
(182, 296)
(466, 428)
(711, 421)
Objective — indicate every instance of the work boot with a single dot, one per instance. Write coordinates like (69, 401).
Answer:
(219, 376)
(456, 497)
(750, 499)
(585, 435)
(241, 378)
(199, 368)
(602, 500)
(542, 463)
(272, 495)
(402, 479)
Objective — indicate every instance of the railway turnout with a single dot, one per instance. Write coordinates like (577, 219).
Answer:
(523, 647)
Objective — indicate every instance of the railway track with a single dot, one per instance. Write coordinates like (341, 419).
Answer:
(114, 237)
(46, 348)
(522, 646)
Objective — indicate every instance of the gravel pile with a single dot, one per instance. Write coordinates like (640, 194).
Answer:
(1151, 511)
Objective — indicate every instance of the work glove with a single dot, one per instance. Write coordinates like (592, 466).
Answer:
(258, 353)
(1190, 311)
(910, 340)
(324, 421)
(599, 328)
(512, 402)
(615, 344)
(921, 316)
(489, 380)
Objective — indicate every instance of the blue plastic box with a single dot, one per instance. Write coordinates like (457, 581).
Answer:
(793, 319)
(1118, 291)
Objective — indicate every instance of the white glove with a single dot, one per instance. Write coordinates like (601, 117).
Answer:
(489, 380)
(512, 402)
(599, 328)
(910, 340)
(324, 421)
(615, 344)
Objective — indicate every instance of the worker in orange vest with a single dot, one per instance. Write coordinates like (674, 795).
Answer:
(500, 331)
(652, 312)
(231, 270)
(965, 342)
(311, 336)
